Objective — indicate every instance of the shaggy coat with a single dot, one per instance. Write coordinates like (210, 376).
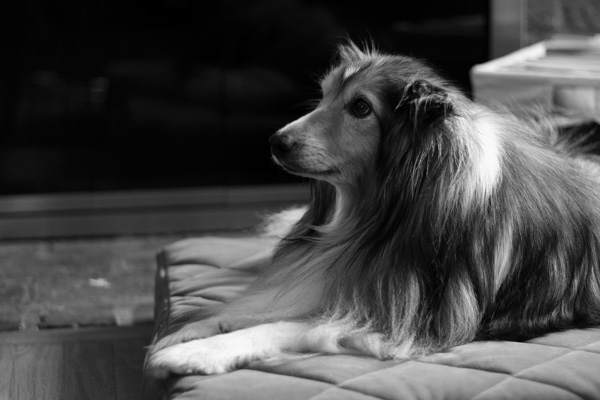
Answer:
(433, 221)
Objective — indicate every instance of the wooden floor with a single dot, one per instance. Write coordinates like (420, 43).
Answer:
(85, 363)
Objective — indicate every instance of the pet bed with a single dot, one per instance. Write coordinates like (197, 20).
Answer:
(194, 273)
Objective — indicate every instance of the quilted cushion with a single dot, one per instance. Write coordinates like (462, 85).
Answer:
(194, 273)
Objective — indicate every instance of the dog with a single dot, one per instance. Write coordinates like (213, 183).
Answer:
(433, 221)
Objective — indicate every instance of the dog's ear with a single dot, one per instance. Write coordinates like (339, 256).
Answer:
(424, 102)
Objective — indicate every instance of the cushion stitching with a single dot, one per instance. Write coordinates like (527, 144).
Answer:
(465, 367)
(425, 362)
(211, 377)
(355, 390)
(331, 386)
(294, 376)
(569, 351)
(168, 314)
(533, 380)
(554, 359)
(516, 375)
(562, 347)
(549, 384)
(527, 380)
(506, 375)
(348, 390)
(542, 344)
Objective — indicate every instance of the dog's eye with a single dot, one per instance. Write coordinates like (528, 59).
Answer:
(360, 108)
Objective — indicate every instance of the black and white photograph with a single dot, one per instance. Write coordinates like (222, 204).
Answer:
(300, 199)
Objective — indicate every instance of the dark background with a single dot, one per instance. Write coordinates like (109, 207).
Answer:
(118, 95)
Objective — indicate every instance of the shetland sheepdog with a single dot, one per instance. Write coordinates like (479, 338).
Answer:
(433, 221)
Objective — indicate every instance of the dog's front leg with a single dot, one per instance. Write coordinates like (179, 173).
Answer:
(226, 352)
(253, 308)
(225, 322)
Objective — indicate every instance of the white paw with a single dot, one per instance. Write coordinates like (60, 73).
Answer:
(191, 331)
(205, 356)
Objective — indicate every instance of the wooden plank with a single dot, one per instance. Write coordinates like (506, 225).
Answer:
(6, 370)
(129, 362)
(88, 363)
(89, 371)
(76, 335)
(37, 372)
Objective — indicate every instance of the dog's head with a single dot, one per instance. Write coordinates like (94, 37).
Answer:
(369, 100)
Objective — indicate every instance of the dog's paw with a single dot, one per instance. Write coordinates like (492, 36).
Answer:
(190, 331)
(204, 356)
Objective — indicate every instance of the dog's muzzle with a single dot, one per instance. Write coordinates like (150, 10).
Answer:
(281, 145)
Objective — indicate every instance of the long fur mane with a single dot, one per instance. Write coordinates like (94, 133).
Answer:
(472, 225)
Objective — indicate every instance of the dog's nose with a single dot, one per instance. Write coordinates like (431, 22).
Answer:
(281, 144)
